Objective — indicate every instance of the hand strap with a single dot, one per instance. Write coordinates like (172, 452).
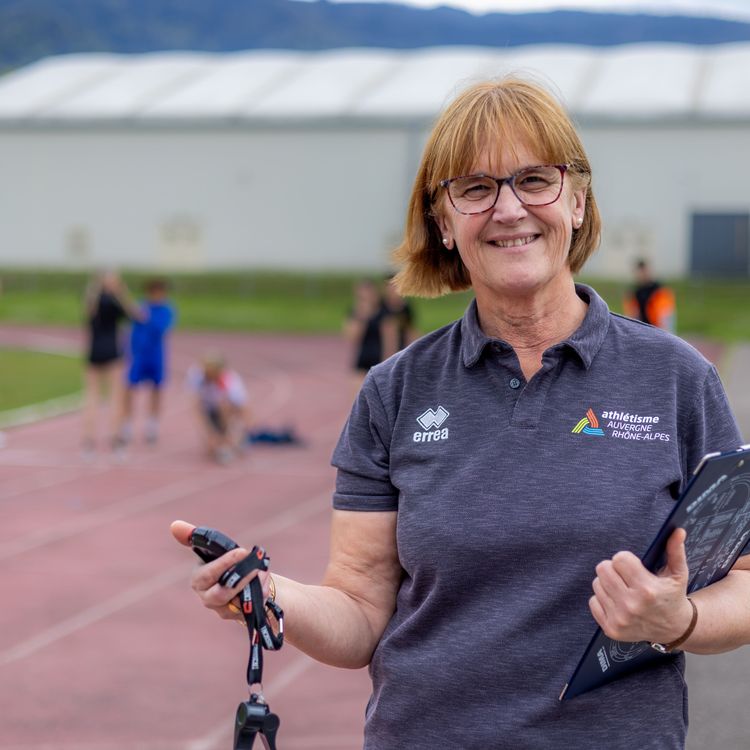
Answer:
(665, 648)
(254, 611)
(253, 717)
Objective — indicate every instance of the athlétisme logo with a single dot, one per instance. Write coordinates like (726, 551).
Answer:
(431, 420)
(622, 425)
(589, 425)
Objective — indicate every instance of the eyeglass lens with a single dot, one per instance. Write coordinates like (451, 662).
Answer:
(535, 186)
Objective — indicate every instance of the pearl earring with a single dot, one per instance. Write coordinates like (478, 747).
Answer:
(446, 241)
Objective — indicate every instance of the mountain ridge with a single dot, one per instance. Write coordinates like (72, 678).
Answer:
(31, 29)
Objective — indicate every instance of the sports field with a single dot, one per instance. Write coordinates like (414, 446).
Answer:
(102, 644)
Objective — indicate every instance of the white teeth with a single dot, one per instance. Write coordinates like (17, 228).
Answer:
(514, 243)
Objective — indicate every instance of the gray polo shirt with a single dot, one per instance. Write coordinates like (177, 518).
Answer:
(508, 494)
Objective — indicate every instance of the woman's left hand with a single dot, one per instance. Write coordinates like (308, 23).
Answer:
(632, 604)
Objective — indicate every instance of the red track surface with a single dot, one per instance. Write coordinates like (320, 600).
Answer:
(102, 644)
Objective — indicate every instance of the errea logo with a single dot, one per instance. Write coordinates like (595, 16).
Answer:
(432, 420)
(433, 417)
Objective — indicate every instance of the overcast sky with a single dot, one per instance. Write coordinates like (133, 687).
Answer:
(724, 8)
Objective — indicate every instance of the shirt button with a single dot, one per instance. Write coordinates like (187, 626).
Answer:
(514, 383)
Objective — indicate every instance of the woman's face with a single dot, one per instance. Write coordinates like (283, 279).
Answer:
(512, 249)
(110, 281)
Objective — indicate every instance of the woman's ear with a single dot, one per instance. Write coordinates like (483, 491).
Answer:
(579, 207)
(445, 230)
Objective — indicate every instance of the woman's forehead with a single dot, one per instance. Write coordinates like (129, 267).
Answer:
(506, 157)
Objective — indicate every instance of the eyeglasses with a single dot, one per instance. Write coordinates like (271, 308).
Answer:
(533, 186)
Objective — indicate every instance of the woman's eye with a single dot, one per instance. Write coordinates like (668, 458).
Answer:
(475, 190)
(532, 180)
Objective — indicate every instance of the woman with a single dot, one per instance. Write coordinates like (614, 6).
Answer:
(370, 329)
(107, 304)
(490, 521)
(402, 314)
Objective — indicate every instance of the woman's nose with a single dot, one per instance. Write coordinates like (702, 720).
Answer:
(508, 209)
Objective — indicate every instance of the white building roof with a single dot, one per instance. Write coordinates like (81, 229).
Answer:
(629, 82)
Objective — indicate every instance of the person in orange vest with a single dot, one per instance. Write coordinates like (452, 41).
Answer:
(650, 301)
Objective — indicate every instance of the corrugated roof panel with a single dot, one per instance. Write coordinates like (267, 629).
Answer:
(561, 68)
(329, 84)
(30, 90)
(643, 81)
(136, 83)
(426, 80)
(726, 85)
(228, 87)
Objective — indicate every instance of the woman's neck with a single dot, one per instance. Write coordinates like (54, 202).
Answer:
(531, 324)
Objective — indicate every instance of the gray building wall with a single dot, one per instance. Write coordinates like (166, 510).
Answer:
(197, 199)
(651, 178)
(320, 196)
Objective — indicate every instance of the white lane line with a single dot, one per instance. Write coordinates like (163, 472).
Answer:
(136, 594)
(129, 507)
(218, 736)
(27, 483)
(53, 407)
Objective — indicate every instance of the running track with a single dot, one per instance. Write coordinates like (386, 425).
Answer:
(102, 644)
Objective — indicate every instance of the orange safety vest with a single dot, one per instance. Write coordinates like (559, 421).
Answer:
(660, 308)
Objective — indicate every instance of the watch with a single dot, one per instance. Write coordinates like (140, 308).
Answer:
(666, 648)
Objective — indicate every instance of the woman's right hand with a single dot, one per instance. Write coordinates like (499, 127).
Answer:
(205, 576)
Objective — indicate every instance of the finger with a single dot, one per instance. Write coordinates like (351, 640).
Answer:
(605, 603)
(207, 575)
(605, 600)
(181, 531)
(631, 570)
(677, 565)
(598, 612)
(226, 601)
(610, 580)
(233, 611)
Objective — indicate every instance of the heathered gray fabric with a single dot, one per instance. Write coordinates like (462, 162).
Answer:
(503, 517)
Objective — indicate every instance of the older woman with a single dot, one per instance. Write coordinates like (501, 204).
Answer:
(472, 513)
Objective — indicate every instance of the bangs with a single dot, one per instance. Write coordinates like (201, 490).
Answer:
(499, 121)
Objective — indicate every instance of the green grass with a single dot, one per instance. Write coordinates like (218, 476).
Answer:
(317, 303)
(282, 302)
(29, 377)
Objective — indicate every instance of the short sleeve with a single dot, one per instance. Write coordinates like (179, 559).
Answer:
(711, 426)
(362, 456)
(235, 389)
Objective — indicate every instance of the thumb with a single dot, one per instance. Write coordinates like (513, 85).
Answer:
(676, 566)
(181, 531)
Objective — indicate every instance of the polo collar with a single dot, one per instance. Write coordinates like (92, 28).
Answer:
(585, 341)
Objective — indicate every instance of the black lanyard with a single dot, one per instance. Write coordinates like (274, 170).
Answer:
(253, 716)
(254, 611)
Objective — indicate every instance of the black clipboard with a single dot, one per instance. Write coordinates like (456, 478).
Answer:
(714, 509)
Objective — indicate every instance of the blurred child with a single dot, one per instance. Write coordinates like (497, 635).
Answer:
(148, 360)
(221, 405)
(107, 304)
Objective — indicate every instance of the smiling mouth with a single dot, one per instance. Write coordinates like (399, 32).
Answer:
(518, 242)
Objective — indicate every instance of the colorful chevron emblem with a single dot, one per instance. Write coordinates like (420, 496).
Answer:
(589, 425)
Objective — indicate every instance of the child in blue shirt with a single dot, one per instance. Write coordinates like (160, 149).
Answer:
(148, 359)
